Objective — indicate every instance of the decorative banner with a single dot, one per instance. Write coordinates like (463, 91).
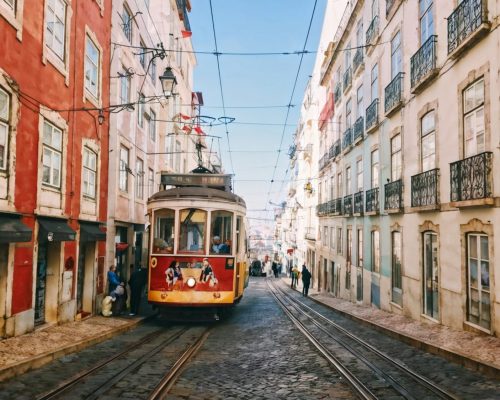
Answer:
(186, 34)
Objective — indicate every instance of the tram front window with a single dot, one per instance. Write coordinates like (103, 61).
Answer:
(192, 230)
(221, 231)
(164, 231)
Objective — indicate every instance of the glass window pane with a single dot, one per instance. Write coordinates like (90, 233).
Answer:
(469, 99)
(57, 138)
(192, 230)
(473, 246)
(163, 241)
(221, 232)
(4, 105)
(484, 248)
(485, 275)
(474, 306)
(473, 272)
(479, 93)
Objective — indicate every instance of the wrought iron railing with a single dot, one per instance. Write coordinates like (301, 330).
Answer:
(348, 205)
(358, 202)
(331, 207)
(358, 59)
(334, 149)
(338, 206)
(423, 61)
(347, 80)
(464, 21)
(347, 138)
(323, 161)
(359, 129)
(393, 192)
(372, 200)
(372, 115)
(471, 178)
(394, 92)
(425, 188)
(372, 31)
(337, 92)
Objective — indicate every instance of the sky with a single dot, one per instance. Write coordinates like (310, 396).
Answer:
(250, 81)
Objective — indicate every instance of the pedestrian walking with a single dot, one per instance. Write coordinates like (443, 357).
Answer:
(306, 280)
(113, 280)
(275, 269)
(295, 276)
(136, 282)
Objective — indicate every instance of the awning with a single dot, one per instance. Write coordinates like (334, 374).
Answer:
(90, 232)
(54, 230)
(121, 246)
(12, 230)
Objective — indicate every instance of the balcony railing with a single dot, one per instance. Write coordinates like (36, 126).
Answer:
(334, 149)
(338, 206)
(347, 138)
(464, 21)
(372, 31)
(337, 93)
(323, 161)
(471, 178)
(423, 62)
(359, 129)
(331, 207)
(358, 203)
(310, 233)
(358, 59)
(348, 205)
(372, 115)
(424, 189)
(347, 80)
(393, 195)
(394, 93)
(372, 200)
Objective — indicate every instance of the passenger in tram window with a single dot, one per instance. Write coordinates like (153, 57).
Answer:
(228, 246)
(218, 247)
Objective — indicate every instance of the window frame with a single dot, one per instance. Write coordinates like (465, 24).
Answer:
(425, 136)
(396, 157)
(396, 55)
(424, 17)
(48, 34)
(374, 168)
(374, 82)
(123, 169)
(151, 181)
(127, 26)
(50, 148)
(203, 240)
(125, 78)
(139, 178)
(396, 265)
(152, 125)
(98, 68)
(359, 175)
(472, 112)
(5, 122)
(88, 171)
(375, 251)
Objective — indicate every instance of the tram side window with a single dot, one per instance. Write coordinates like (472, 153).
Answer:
(221, 232)
(192, 230)
(164, 231)
(239, 232)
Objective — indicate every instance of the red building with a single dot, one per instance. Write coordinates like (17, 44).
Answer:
(54, 98)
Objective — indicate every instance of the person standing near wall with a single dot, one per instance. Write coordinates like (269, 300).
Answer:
(113, 280)
(136, 282)
(306, 280)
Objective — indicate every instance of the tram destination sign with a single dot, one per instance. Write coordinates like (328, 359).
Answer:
(221, 181)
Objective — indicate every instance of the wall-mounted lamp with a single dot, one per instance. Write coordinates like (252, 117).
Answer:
(168, 82)
(100, 117)
(308, 187)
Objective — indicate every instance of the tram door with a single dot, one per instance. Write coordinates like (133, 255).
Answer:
(41, 283)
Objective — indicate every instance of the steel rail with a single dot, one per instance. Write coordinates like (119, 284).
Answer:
(442, 393)
(353, 381)
(160, 391)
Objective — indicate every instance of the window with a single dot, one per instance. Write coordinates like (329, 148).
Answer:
(11, 4)
(127, 23)
(152, 125)
(397, 284)
(139, 179)
(426, 20)
(89, 172)
(348, 259)
(163, 241)
(152, 71)
(359, 103)
(325, 236)
(192, 230)
(339, 185)
(52, 155)
(474, 119)
(375, 252)
(142, 54)
(140, 110)
(359, 175)
(55, 27)
(374, 168)
(359, 259)
(359, 34)
(396, 55)
(348, 112)
(125, 87)
(428, 145)
(332, 238)
(124, 169)
(92, 57)
(431, 275)
(4, 127)
(478, 280)
(348, 183)
(221, 232)
(374, 83)
(396, 158)
(339, 240)
(374, 8)
(151, 182)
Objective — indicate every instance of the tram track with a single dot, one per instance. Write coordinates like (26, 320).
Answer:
(380, 375)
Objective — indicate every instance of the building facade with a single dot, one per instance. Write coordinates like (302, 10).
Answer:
(54, 93)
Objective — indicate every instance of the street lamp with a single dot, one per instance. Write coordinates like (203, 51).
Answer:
(100, 117)
(168, 82)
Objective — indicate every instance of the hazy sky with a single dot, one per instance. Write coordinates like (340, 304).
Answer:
(255, 26)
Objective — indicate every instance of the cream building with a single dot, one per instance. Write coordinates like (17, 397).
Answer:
(408, 203)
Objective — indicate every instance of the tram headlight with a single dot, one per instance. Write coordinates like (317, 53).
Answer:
(191, 282)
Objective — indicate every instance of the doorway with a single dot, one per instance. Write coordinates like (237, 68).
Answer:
(85, 278)
(431, 274)
(41, 283)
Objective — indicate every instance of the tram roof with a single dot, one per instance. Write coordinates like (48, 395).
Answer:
(202, 193)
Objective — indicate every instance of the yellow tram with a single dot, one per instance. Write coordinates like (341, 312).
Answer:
(198, 255)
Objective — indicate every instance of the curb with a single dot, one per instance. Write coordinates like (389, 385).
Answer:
(480, 366)
(40, 360)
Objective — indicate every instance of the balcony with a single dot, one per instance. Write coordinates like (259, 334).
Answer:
(394, 196)
(323, 161)
(347, 139)
(372, 116)
(359, 130)
(425, 190)
(338, 206)
(466, 24)
(347, 79)
(372, 33)
(358, 203)
(322, 209)
(334, 150)
(310, 233)
(337, 93)
(372, 205)
(357, 62)
(423, 65)
(471, 181)
(348, 205)
(394, 94)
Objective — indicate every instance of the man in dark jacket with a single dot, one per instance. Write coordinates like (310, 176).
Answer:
(306, 280)
(136, 282)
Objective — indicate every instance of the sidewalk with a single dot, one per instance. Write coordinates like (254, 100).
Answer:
(475, 351)
(22, 353)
